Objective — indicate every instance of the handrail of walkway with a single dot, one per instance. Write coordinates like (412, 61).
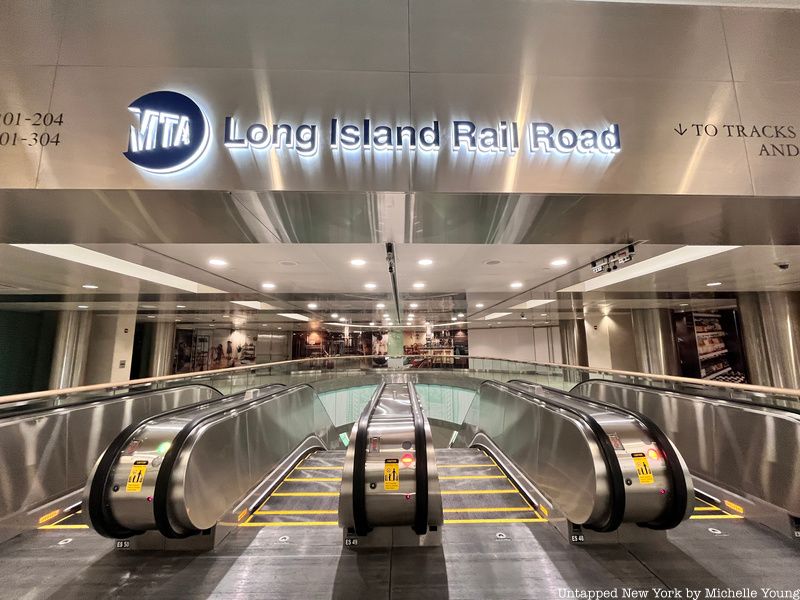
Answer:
(187, 377)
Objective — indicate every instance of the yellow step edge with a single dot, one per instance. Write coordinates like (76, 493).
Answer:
(454, 492)
(65, 527)
(478, 521)
(305, 494)
(496, 509)
(707, 508)
(289, 524)
(296, 512)
(725, 516)
(472, 477)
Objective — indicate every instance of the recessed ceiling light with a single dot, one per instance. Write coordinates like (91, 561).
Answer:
(380, 305)
(453, 318)
(334, 315)
(358, 262)
(279, 327)
(516, 284)
(496, 315)
(559, 262)
(82, 306)
(543, 315)
(479, 305)
(714, 284)
(370, 285)
(180, 306)
(151, 316)
(372, 323)
(268, 285)
(89, 286)
(218, 262)
(684, 304)
(226, 316)
(425, 262)
(146, 306)
(177, 320)
(264, 325)
(312, 305)
(414, 305)
(418, 285)
(342, 319)
(460, 315)
(385, 315)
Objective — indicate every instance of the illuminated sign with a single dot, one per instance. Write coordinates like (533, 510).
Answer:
(172, 133)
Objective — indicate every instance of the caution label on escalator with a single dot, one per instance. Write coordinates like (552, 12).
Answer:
(643, 468)
(391, 474)
(136, 476)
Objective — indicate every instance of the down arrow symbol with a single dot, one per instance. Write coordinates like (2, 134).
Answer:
(680, 129)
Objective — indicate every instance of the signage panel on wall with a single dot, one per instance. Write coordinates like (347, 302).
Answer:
(149, 128)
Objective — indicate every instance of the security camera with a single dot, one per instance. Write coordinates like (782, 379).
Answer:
(782, 265)
(522, 316)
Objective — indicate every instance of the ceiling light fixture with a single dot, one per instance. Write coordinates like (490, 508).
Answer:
(479, 305)
(418, 285)
(460, 315)
(342, 319)
(82, 306)
(89, 286)
(385, 315)
(180, 306)
(358, 262)
(370, 285)
(413, 305)
(496, 315)
(380, 305)
(424, 262)
(372, 323)
(268, 285)
(453, 318)
(714, 284)
(515, 284)
(312, 305)
(559, 262)
(334, 315)
(151, 316)
(84, 256)
(294, 316)
(218, 262)
(674, 258)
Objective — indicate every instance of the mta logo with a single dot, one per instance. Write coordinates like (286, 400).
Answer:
(171, 132)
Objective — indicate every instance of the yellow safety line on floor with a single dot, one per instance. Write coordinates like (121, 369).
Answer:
(319, 468)
(473, 477)
(61, 520)
(725, 516)
(302, 494)
(313, 479)
(465, 466)
(65, 527)
(288, 523)
(454, 492)
(296, 512)
(477, 521)
(496, 509)
(707, 508)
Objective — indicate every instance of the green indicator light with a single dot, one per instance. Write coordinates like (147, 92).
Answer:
(163, 447)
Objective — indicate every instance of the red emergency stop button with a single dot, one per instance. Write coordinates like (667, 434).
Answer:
(407, 459)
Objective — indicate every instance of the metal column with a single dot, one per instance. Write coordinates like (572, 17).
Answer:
(771, 337)
(163, 346)
(654, 341)
(573, 342)
(71, 349)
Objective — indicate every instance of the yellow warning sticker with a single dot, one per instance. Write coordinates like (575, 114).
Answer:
(136, 477)
(643, 468)
(391, 475)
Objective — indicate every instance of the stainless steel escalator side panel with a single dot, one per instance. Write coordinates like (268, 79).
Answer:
(750, 450)
(47, 456)
(646, 497)
(556, 451)
(222, 460)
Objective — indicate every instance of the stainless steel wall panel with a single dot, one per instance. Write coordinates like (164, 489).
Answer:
(253, 96)
(763, 44)
(23, 90)
(567, 38)
(30, 31)
(278, 34)
(654, 157)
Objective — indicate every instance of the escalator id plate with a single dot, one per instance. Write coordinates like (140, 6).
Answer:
(643, 469)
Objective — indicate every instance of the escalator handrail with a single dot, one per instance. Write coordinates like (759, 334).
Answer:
(677, 508)
(360, 522)
(97, 506)
(616, 483)
(164, 477)
(131, 396)
(421, 448)
(737, 401)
